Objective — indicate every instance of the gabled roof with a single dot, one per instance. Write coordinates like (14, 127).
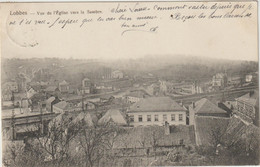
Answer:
(113, 115)
(156, 104)
(63, 83)
(106, 97)
(138, 93)
(117, 71)
(86, 79)
(204, 106)
(50, 100)
(250, 98)
(87, 117)
(51, 89)
(62, 105)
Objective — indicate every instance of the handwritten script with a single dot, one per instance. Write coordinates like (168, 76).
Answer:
(124, 18)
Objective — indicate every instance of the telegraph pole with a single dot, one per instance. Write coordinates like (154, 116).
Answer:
(13, 119)
(41, 120)
(82, 101)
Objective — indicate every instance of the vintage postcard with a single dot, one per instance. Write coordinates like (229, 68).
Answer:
(99, 84)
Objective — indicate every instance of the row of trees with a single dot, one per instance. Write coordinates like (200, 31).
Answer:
(88, 143)
(66, 144)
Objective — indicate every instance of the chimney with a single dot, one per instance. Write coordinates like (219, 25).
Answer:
(166, 128)
(251, 93)
(193, 105)
(181, 103)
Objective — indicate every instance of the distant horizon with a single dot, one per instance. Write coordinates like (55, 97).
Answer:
(162, 56)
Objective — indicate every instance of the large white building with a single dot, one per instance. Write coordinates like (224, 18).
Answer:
(117, 74)
(156, 111)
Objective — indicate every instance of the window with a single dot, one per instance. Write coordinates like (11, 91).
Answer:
(173, 117)
(156, 118)
(131, 118)
(164, 117)
(140, 118)
(180, 117)
(149, 118)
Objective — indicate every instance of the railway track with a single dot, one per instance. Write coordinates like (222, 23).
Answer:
(225, 93)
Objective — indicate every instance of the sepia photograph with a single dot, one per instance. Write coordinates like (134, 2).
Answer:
(129, 84)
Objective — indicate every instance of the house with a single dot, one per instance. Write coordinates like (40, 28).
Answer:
(37, 86)
(136, 95)
(64, 106)
(204, 107)
(156, 111)
(30, 93)
(86, 86)
(152, 89)
(103, 87)
(38, 99)
(50, 102)
(51, 91)
(83, 90)
(115, 116)
(106, 98)
(196, 88)
(86, 82)
(84, 116)
(12, 86)
(247, 107)
(24, 103)
(64, 86)
(163, 86)
(90, 105)
(117, 74)
(7, 95)
(220, 80)
(249, 78)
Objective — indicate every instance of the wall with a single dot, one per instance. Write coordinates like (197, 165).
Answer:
(160, 122)
(191, 116)
(131, 99)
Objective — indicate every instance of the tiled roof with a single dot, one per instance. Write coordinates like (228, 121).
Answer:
(138, 93)
(86, 79)
(51, 88)
(156, 104)
(205, 106)
(145, 135)
(233, 128)
(250, 98)
(87, 117)
(61, 105)
(239, 130)
(113, 115)
(63, 83)
(205, 125)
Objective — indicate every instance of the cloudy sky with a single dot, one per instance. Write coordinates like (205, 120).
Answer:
(221, 38)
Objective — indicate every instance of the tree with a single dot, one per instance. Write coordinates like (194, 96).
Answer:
(56, 143)
(11, 153)
(93, 141)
